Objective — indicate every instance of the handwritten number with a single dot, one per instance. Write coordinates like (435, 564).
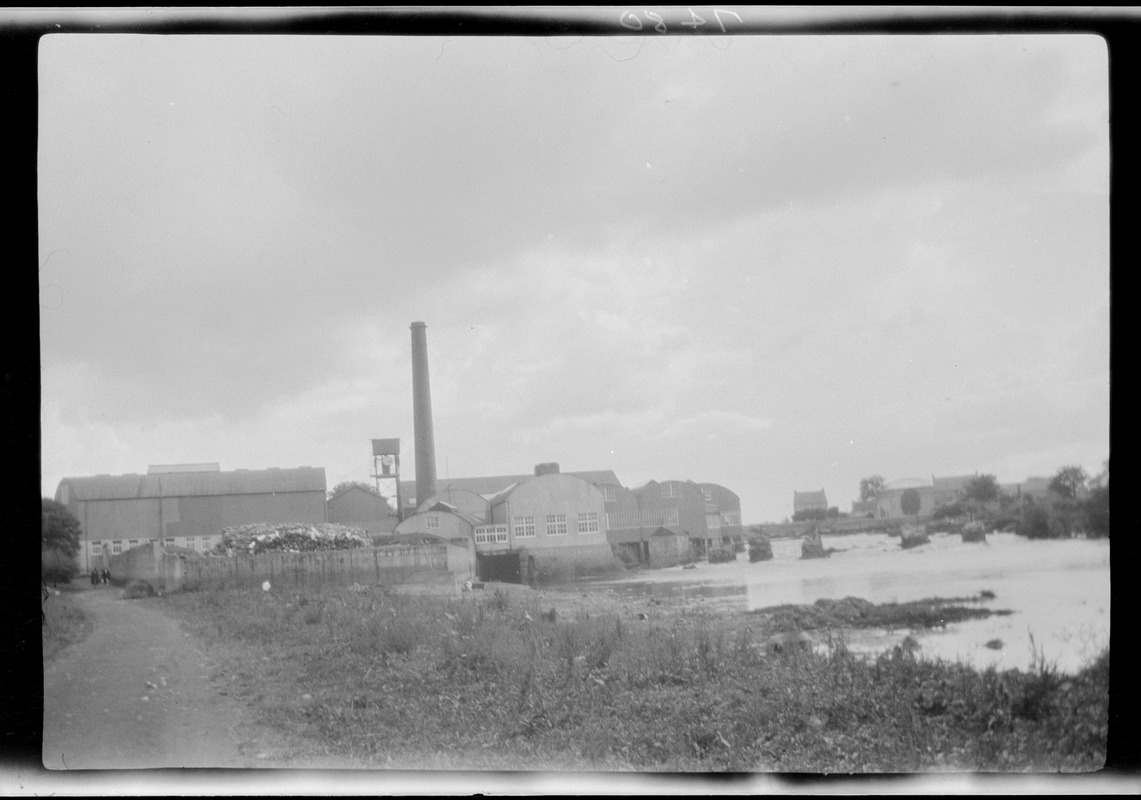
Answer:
(637, 23)
(661, 26)
(695, 21)
(717, 13)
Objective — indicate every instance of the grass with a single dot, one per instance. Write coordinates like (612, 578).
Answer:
(488, 682)
(65, 623)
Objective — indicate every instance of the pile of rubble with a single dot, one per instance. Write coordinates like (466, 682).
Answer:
(289, 537)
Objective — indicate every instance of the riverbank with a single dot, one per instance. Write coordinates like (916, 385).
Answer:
(517, 678)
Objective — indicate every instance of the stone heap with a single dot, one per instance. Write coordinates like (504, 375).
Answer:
(290, 537)
(974, 532)
(813, 546)
(913, 536)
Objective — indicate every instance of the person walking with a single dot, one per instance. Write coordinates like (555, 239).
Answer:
(94, 576)
(106, 576)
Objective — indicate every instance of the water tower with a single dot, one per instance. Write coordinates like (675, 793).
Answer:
(386, 470)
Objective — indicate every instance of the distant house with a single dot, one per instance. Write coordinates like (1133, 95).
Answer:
(362, 507)
(889, 500)
(862, 508)
(185, 505)
(949, 490)
(809, 501)
(1035, 488)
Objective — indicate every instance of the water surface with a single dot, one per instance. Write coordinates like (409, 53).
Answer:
(1058, 591)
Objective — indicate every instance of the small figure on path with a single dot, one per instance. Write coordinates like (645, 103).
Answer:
(106, 576)
(94, 576)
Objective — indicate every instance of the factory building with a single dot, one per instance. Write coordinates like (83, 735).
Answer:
(185, 505)
(707, 514)
(361, 507)
(526, 526)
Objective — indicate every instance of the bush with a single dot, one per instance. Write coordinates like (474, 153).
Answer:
(949, 511)
(760, 549)
(55, 567)
(719, 555)
(1042, 522)
(1097, 512)
(810, 515)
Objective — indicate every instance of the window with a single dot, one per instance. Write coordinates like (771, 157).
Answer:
(116, 547)
(152, 541)
(487, 534)
(608, 494)
(133, 543)
(708, 494)
(169, 541)
(96, 548)
(731, 518)
(588, 522)
(671, 490)
(556, 524)
(713, 521)
(190, 543)
(433, 521)
(524, 527)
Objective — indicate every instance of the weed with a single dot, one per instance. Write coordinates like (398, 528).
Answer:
(466, 684)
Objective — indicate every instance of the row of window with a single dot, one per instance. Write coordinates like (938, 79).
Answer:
(524, 527)
(116, 546)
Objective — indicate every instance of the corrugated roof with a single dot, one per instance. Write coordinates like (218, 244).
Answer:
(491, 485)
(196, 484)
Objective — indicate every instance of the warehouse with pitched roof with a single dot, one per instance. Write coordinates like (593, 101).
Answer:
(185, 505)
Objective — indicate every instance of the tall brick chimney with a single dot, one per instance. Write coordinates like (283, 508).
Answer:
(422, 415)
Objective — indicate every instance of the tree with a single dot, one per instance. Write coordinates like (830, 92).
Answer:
(979, 491)
(59, 543)
(870, 487)
(1069, 483)
(1097, 511)
(60, 528)
(910, 503)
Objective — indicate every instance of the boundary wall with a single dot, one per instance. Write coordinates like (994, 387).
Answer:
(391, 565)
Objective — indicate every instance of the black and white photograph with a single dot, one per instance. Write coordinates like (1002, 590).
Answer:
(666, 395)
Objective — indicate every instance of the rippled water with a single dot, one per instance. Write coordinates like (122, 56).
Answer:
(1058, 591)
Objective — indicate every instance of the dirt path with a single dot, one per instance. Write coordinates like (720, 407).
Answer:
(137, 693)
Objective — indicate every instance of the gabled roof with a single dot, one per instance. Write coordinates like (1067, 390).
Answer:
(444, 508)
(907, 483)
(810, 497)
(195, 484)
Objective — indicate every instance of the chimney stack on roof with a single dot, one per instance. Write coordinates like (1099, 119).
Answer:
(549, 468)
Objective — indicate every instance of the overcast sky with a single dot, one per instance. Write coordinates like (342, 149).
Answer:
(774, 263)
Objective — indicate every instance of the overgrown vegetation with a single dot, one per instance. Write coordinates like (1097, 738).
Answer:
(855, 612)
(719, 555)
(496, 681)
(64, 623)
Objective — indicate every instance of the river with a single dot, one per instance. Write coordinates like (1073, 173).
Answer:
(1058, 591)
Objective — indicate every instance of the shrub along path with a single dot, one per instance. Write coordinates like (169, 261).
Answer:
(137, 693)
